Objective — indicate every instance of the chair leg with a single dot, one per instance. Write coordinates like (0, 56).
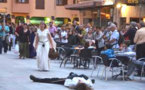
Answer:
(142, 73)
(62, 62)
(112, 72)
(65, 61)
(98, 71)
(123, 73)
(105, 73)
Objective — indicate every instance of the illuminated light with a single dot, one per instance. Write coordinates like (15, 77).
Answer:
(47, 20)
(109, 2)
(119, 5)
(3, 10)
(35, 21)
(143, 19)
(25, 20)
(124, 10)
(107, 16)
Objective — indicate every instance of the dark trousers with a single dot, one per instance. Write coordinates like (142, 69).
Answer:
(24, 49)
(51, 80)
(1, 45)
(5, 45)
(140, 51)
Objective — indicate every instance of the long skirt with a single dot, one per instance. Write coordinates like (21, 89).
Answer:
(42, 56)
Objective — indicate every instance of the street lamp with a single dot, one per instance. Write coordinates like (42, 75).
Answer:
(119, 5)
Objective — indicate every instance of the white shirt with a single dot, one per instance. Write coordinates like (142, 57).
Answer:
(64, 34)
(73, 82)
(115, 35)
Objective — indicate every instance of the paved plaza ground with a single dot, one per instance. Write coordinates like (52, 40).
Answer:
(14, 75)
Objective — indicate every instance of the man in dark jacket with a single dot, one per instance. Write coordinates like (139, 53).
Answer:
(131, 32)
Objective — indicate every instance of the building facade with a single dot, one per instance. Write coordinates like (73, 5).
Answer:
(35, 11)
(99, 12)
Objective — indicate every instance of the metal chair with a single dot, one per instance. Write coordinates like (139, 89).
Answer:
(111, 63)
(96, 61)
(143, 67)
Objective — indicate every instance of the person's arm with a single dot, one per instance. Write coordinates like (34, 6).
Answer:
(136, 37)
(36, 41)
(127, 33)
(100, 36)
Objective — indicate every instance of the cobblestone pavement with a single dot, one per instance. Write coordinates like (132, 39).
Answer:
(14, 75)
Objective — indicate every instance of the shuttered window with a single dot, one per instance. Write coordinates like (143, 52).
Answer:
(40, 4)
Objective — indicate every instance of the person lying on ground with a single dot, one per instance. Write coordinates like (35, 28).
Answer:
(73, 81)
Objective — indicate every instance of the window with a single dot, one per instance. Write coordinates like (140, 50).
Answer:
(3, 1)
(22, 1)
(61, 2)
(40, 4)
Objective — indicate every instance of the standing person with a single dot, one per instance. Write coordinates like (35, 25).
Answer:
(139, 40)
(52, 29)
(5, 37)
(32, 51)
(80, 35)
(131, 32)
(42, 45)
(99, 39)
(114, 36)
(1, 38)
(89, 37)
(24, 42)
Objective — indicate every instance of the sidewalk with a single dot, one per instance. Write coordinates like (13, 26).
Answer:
(14, 75)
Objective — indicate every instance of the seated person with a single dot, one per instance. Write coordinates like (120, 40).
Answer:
(131, 67)
(72, 81)
(85, 55)
(109, 51)
(125, 48)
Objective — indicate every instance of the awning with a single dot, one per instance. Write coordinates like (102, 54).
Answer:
(86, 5)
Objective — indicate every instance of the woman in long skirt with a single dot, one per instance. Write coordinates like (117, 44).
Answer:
(42, 45)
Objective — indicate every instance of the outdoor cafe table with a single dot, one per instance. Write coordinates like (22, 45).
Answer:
(76, 52)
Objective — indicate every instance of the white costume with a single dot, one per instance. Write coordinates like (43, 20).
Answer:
(43, 50)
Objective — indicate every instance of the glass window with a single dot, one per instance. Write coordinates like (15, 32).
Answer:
(61, 2)
(3, 1)
(40, 4)
(22, 1)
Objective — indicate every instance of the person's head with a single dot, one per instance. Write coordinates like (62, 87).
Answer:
(98, 29)
(82, 86)
(86, 45)
(25, 26)
(108, 46)
(90, 31)
(63, 27)
(51, 24)
(112, 27)
(42, 26)
(81, 27)
(142, 24)
(133, 24)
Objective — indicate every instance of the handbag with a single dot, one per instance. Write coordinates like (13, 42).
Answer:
(53, 54)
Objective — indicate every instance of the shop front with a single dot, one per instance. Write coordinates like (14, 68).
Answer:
(97, 13)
